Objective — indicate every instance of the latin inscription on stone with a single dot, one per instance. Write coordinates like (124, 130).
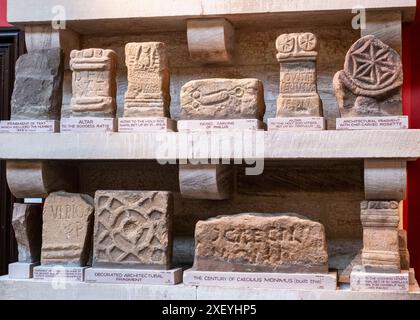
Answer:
(148, 80)
(93, 82)
(210, 99)
(67, 229)
(133, 229)
(260, 242)
(298, 82)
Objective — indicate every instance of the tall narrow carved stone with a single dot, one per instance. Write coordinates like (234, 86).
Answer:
(380, 221)
(148, 80)
(297, 54)
(133, 229)
(222, 99)
(27, 225)
(38, 85)
(93, 82)
(404, 254)
(67, 229)
(370, 83)
(260, 243)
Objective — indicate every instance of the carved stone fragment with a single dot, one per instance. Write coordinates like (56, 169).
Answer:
(148, 80)
(404, 254)
(297, 53)
(133, 229)
(380, 221)
(27, 225)
(370, 83)
(93, 83)
(67, 229)
(260, 243)
(222, 99)
(38, 85)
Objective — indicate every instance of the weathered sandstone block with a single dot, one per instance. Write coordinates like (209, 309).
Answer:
(27, 224)
(148, 80)
(370, 83)
(404, 254)
(222, 99)
(297, 53)
(38, 85)
(67, 229)
(380, 221)
(93, 82)
(260, 243)
(133, 229)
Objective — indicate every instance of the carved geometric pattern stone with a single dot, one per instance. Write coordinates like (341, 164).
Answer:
(254, 242)
(133, 228)
(148, 80)
(93, 82)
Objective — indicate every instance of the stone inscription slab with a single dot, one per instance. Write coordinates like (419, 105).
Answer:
(262, 280)
(133, 276)
(372, 123)
(234, 124)
(365, 281)
(88, 125)
(296, 124)
(59, 273)
(29, 126)
(152, 124)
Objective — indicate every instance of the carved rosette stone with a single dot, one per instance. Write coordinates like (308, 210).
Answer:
(67, 229)
(133, 229)
(93, 83)
(27, 225)
(297, 54)
(260, 243)
(148, 76)
(380, 220)
(370, 83)
(38, 87)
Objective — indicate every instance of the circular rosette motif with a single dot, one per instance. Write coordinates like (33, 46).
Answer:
(372, 68)
(307, 41)
(285, 43)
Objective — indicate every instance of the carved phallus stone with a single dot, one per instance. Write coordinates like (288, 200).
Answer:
(254, 242)
(370, 83)
(37, 92)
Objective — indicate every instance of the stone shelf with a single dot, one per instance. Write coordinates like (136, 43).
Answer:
(381, 144)
(99, 16)
(30, 289)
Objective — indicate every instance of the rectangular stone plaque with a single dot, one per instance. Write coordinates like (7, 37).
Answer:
(367, 281)
(29, 126)
(88, 125)
(229, 124)
(296, 124)
(372, 123)
(50, 273)
(303, 281)
(21, 270)
(151, 124)
(133, 276)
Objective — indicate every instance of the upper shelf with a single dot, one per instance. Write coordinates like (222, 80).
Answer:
(98, 16)
(403, 144)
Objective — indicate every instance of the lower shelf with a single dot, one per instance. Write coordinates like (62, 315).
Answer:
(11, 289)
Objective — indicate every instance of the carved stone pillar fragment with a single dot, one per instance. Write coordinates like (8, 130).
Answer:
(211, 41)
(385, 179)
(297, 54)
(147, 94)
(93, 83)
(67, 229)
(381, 250)
(404, 254)
(27, 225)
(133, 229)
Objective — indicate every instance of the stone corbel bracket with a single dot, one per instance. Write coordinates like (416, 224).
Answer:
(36, 179)
(206, 181)
(385, 179)
(211, 41)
